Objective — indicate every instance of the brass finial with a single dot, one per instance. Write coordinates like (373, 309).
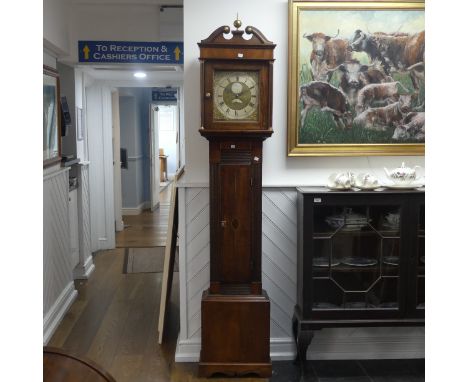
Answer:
(237, 22)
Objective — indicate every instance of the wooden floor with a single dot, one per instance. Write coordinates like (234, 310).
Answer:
(114, 323)
(114, 320)
(149, 229)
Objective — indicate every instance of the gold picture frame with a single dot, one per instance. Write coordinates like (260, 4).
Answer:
(332, 118)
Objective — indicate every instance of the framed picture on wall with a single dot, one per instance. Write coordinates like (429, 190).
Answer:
(356, 78)
(51, 117)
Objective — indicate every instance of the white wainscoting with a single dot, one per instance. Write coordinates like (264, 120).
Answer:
(58, 288)
(279, 254)
(85, 266)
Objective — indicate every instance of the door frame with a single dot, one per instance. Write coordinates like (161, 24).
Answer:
(155, 175)
(119, 224)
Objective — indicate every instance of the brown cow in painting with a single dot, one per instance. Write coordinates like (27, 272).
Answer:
(354, 76)
(402, 51)
(327, 52)
(413, 126)
(325, 97)
(383, 92)
(380, 118)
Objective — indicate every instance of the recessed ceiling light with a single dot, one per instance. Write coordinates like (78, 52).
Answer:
(139, 74)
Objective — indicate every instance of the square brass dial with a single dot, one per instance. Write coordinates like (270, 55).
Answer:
(235, 96)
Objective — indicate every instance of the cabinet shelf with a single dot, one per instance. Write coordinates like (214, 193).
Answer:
(350, 268)
(331, 234)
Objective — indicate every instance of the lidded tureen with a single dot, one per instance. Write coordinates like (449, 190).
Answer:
(348, 220)
(402, 175)
(344, 180)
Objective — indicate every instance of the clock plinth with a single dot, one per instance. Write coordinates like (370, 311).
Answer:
(235, 335)
(236, 95)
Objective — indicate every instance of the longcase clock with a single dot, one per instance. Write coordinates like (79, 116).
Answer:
(236, 97)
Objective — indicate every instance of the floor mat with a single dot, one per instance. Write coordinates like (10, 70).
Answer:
(146, 260)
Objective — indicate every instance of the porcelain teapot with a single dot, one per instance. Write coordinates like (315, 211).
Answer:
(403, 175)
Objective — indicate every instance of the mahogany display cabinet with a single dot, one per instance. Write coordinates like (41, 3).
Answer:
(360, 260)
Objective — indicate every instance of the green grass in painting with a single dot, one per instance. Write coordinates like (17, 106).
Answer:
(320, 128)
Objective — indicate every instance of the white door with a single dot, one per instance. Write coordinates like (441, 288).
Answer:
(168, 121)
(154, 154)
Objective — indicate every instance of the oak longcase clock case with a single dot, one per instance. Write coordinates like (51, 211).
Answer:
(236, 81)
(236, 117)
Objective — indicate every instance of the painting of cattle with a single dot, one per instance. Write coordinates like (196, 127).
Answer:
(356, 78)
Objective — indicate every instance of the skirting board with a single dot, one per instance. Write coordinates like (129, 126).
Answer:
(82, 272)
(281, 349)
(135, 210)
(284, 349)
(55, 314)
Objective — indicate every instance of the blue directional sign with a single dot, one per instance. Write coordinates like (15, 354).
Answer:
(164, 94)
(131, 52)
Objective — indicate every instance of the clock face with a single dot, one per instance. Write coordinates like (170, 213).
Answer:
(235, 96)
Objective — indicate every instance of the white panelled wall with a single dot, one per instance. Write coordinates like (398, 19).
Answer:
(279, 259)
(58, 288)
(281, 174)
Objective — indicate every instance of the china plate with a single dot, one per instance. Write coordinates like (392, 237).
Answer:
(335, 188)
(404, 186)
(367, 188)
(359, 261)
(391, 260)
(323, 262)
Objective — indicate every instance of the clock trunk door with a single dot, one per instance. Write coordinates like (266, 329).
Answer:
(236, 206)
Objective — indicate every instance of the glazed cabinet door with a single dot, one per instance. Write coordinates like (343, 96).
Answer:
(417, 263)
(353, 256)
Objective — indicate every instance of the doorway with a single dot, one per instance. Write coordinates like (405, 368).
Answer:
(164, 138)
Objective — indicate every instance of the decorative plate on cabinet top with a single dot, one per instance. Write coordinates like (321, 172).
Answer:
(409, 186)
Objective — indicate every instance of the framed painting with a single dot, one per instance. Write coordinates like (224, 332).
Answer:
(356, 78)
(51, 117)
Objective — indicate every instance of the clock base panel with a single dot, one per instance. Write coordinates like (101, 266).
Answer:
(235, 335)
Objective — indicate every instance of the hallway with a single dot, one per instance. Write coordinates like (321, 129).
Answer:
(148, 229)
(114, 319)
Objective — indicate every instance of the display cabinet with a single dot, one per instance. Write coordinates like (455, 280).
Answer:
(360, 260)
